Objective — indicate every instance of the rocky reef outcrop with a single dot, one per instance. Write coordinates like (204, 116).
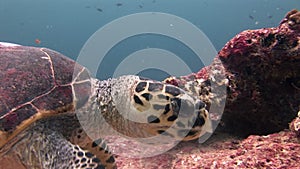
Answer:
(260, 70)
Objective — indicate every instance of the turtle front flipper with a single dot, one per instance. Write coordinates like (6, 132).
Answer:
(84, 159)
(49, 149)
(97, 147)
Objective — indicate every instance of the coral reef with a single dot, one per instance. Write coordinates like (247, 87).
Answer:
(295, 126)
(279, 150)
(260, 70)
(264, 77)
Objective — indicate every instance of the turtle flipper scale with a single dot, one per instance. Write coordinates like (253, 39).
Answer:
(97, 147)
(49, 149)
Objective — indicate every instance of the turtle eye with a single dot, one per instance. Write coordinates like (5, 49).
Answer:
(176, 104)
(183, 107)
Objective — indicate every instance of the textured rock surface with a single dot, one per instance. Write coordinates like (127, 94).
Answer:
(262, 78)
(262, 75)
(295, 126)
(280, 150)
(263, 67)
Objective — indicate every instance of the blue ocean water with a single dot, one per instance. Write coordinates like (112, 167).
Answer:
(66, 25)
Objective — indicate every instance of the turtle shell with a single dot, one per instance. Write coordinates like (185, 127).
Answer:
(36, 83)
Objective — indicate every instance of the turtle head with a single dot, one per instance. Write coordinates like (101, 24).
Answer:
(166, 109)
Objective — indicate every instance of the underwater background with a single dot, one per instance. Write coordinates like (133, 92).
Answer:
(65, 25)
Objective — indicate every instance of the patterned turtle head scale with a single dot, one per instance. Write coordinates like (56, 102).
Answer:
(169, 109)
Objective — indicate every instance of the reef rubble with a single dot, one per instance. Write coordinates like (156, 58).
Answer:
(279, 150)
(259, 128)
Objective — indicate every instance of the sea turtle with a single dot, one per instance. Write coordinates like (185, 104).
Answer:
(43, 92)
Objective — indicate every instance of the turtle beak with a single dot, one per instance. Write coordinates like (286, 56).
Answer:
(207, 126)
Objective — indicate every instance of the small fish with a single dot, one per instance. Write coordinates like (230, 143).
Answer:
(280, 8)
(119, 4)
(37, 41)
(270, 16)
(251, 17)
(100, 10)
(141, 6)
